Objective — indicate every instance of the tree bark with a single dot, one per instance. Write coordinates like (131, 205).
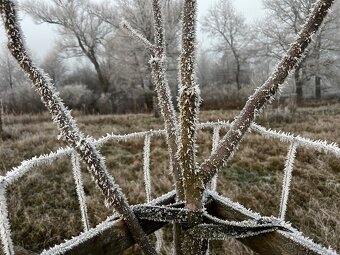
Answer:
(238, 72)
(317, 69)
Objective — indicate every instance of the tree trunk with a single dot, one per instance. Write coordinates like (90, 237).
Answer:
(317, 87)
(238, 72)
(298, 86)
(1, 117)
(317, 69)
(104, 82)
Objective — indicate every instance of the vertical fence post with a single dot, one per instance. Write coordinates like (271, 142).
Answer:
(287, 180)
(215, 141)
(147, 182)
(5, 231)
(146, 167)
(80, 190)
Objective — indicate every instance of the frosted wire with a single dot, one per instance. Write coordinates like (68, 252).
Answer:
(27, 165)
(80, 190)
(215, 141)
(146, 168)
(5, 231)
(287, 180)
(147, 182)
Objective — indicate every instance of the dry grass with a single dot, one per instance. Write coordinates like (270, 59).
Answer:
(44, 209)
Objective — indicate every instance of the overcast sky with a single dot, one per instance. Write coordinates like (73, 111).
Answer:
(40, 38)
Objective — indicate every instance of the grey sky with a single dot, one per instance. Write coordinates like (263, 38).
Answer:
(40, 38)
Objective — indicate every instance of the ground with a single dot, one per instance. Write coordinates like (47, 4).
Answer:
(42, 202)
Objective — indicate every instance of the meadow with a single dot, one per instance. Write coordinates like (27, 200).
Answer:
(43, 205)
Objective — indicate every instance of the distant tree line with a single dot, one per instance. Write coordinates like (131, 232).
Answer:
(99, 69)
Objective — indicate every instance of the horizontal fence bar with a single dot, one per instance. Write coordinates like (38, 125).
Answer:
(27, 165)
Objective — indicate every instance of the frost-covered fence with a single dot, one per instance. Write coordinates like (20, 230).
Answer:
(209, 230)
(198, 215)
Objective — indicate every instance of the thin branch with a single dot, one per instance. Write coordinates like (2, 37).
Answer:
(266, 92)
(68, 128)
(138, 36)
(158, 68)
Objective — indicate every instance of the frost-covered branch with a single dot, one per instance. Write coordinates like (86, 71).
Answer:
(266, 92)
(189, 100)
(135, 34)
(68, 128)
(158, 69)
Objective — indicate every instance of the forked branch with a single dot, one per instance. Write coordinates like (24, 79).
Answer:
(68, 128)
(266, 92)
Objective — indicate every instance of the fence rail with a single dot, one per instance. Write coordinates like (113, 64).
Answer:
(221, 207)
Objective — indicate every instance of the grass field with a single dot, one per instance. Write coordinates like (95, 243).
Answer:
(44, 209)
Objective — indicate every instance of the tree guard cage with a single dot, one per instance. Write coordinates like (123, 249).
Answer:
(198, 213)
(112, 235)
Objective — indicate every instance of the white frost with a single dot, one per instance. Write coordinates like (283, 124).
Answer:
(80, 190)
(287, 180)
(5, 231)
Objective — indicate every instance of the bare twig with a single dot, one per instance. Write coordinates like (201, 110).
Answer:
(266, 92)
(68, 128)
(147, 44)
(158, 67)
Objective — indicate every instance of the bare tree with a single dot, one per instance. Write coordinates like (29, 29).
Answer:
(286, 18)
(233, 34)
(82, 33)
(133, 56)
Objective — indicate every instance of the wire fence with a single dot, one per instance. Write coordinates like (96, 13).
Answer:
(216, 127)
